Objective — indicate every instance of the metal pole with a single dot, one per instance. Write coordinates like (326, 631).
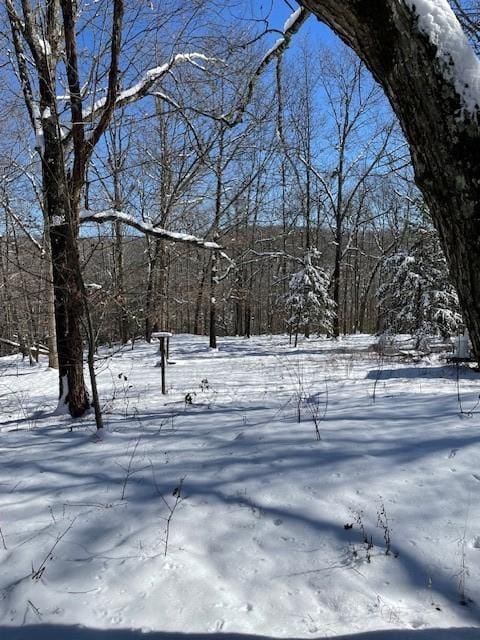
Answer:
(162, 365)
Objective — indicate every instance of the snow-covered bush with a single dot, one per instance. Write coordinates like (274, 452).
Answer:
(307, 301)
(415, 295)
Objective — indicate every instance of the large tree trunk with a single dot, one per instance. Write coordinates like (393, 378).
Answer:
(336, 278)
(48, 31)
(122, 317)
(213, 301)
(444, 138)
(68, 317)
(63, 216)
(151, 292)
(198, 302)
(52, 330)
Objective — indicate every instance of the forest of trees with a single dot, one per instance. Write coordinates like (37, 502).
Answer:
(172, 166)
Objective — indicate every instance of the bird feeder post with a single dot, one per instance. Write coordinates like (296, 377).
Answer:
(164, 337)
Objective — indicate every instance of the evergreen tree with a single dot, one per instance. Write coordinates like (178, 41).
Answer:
(416, 295)
(307, 301)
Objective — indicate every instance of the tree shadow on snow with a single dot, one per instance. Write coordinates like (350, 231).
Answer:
(430, 373)
(61, 632)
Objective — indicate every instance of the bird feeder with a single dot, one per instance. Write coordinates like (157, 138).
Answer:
(164, 337)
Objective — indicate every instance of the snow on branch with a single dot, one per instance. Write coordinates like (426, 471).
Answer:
(231, 264)
(37, 348)
(291, 26)
(112, 215)
(142, 87)
(460, 65)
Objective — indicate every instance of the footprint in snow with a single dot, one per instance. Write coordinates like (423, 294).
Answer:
(453, 453)
(477, 477)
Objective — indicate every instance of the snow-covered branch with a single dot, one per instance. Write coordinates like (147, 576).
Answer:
(142, 87)
(231, 264)
(291, 26)
(437, 21)
(112, 215)
(37, 348)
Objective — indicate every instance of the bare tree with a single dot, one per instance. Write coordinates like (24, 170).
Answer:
(67, 130)
(434, 94)
(356, 139)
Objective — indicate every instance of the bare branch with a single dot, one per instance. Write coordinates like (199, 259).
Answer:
(292, 25)
(32, 108)
(29, 30)
(78, 131)
(111, 100)
(13, 215)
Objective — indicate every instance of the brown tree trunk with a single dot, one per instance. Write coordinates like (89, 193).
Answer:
(151, 297)
(63, 218)
(52, 330)
(64, 157)
(198, 302)
(163, 311)
(213, 301)
(248, 321)
(336, 281)
(68, 317)
(445, 145)
(122, 317)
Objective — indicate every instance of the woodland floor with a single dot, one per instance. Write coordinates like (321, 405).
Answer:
(213, 511)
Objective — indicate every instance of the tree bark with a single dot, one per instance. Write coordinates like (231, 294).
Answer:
(198, 301)
(213, 301)
(62, 211)
(445, 145)
(52, 330)
(118, 266)
(151, 324)
(41, 29)
(68, 316)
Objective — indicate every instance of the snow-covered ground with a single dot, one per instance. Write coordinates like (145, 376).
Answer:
(214, 511)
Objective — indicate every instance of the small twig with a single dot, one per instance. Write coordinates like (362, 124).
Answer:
(52, 514)
(315, 412)
(383, 523)
(464, 572)
(177, 493)
(38, 573)
(3, 539)
(378, 376)
(36, 609)
(129, 468)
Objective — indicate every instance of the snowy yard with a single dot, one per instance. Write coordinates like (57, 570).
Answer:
(214, 511)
